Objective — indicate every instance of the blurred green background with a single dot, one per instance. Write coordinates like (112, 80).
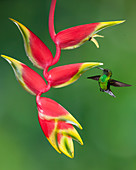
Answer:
(109, 124)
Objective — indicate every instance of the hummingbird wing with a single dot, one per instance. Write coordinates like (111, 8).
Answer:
(118, 83)
(94, 77)
(109, 92)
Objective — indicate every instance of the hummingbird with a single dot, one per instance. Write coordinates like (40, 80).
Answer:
(105, 81)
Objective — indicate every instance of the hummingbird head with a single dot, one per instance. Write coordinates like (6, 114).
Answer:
(107, 72)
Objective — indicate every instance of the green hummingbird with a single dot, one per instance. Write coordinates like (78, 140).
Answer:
(105, 81)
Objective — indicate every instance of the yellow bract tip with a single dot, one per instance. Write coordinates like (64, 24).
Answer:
(70, 119)
(16, 22)
(10, 60)
(24, 31)
(88, 65)
(72, 133)
(12, 19)
(103, 25)
(66, 146)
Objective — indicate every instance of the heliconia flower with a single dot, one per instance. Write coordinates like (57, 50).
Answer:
(49, 129)
(36, 50)
(64, 75)
(56, 123)
(66, 132)
(65, 144)
(28, 78)
(75, 36)
(51, 110)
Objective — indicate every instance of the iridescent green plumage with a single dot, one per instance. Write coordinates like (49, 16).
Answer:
(105, 81)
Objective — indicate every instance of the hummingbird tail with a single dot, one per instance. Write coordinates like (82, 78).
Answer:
(110, 93)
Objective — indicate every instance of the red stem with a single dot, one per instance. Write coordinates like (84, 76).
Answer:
(47, 88)
(57, 55)
(55, 60)
(38, 98)
(53, 34)
(51, 20)
(45, 73)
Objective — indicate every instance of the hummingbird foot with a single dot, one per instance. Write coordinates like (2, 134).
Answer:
(109, 92)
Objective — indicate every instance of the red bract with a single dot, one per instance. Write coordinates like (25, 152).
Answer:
(36, 50)
(65, 133)
(74, 37)
(28, 78)
(49, 109)
(56, 123)
(64, 75)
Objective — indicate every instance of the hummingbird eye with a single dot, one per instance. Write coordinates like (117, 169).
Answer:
(107, 72)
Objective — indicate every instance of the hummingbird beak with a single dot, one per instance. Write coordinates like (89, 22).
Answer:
(100, 68)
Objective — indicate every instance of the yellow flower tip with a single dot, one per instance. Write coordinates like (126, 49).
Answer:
(71, 156)
(74, 123)
(70, 119)
(92, 64)
(10, 60)
(16, 22)
(88, 65)
(2, 55)
(73, 134)
(7, 58)
(13, 20)
(111, 23)
(120, 22)
(80, 141)
(79, 126)
(53, 141)
(66, 146)
(103, 25)
(24, 30)
(98, 64)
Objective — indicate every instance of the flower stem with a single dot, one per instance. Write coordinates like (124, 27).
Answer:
(51, 20)
(47, 88)
(45, 73)
(57, 55)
